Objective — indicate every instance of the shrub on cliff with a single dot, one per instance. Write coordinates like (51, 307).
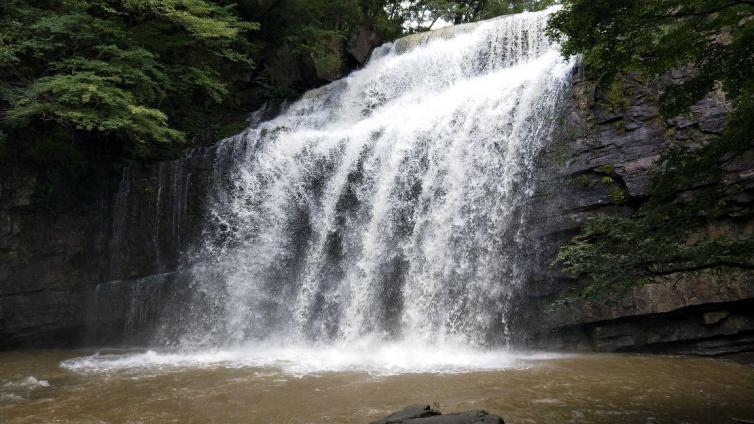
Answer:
(669, 233)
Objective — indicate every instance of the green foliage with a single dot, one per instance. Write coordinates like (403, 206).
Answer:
(668, 233)
(422, 15)
(123, 72)
(625, 251)
(615, 95)
(713, 36)
(86, 101)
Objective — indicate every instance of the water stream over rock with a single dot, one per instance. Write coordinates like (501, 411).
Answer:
(392, 205)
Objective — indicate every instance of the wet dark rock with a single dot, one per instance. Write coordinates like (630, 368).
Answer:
(471, 417)
(711, 318)
(606, 116)
(424, 414)
(127, 311)
(409, 412)
(681, 122)
(642, 112)
(56, 252)
(711, 114)
(363, 40)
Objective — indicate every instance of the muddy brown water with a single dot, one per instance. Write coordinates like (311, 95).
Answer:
(35, 388)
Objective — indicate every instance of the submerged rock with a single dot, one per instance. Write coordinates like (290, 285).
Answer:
(424, 414)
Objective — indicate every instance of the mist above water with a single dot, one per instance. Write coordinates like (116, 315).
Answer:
(299, 360)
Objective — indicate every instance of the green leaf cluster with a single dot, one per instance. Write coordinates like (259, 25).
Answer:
(132, 74)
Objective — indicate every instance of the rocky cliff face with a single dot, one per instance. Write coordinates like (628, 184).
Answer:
(612, 139)
(155, 218)
(58, 257)
(46, 255)
(98, 270)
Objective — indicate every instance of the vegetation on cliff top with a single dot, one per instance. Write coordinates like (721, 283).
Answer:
(672, 231)
(88, 83)
(122, 77)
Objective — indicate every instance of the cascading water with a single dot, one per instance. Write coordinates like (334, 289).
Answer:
(386, 205)
(385, 224)
(390, 206)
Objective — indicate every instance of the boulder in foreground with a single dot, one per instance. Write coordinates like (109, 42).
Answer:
(424, 414)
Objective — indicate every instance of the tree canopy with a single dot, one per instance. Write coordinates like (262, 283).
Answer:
(132, 72)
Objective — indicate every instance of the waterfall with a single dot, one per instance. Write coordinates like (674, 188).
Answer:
(393, 204)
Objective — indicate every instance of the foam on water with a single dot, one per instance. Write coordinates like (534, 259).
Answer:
(372, 358)
(30, 383)
(20, 389)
